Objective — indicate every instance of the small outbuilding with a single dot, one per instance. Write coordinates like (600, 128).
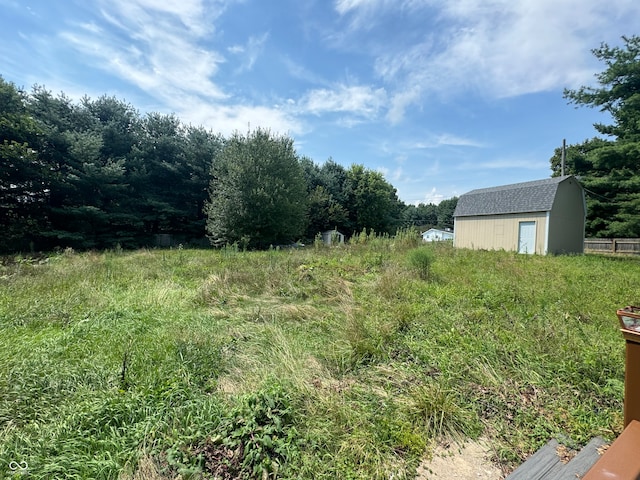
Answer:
(332, 237)
(435, 235)
(541, 217)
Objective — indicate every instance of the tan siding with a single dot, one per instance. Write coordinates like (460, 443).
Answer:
(497, 232)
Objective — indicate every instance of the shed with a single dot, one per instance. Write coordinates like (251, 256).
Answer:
(543, 216)
(332, 236)
(435, 235)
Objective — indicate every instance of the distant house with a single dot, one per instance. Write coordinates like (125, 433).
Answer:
(544, 216)
(435, 235)
(332, 237)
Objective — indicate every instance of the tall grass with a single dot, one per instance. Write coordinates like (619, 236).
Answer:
(312, 363)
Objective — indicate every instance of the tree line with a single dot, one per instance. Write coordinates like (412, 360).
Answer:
(96, 173)
(609, 166)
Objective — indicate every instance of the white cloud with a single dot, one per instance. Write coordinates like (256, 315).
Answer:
(363, 101)
(92, 28)
(432, 196)
(250, 52)
(383, 170)
(154, 45)
(162, 72)
(417, 195)
(402, 99)
(158, 47)
(299, 71)
(228, 119)
(345, 6)
(447, 139)
(196, 15)
(393, 176)
(366, 12)
(397, 175)
(349, 121)
(497, 48)
(513, 48)
(504, 164)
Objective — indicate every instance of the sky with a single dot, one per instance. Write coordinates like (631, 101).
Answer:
(440, 96)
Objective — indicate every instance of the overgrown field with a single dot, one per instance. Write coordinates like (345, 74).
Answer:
(346, 362)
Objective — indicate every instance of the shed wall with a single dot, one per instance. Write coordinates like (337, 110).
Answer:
(498, 232)
(331, 236)
(567, 219)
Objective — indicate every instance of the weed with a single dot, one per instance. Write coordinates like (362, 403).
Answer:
(407, 238)
(420, 260)
(257, 439)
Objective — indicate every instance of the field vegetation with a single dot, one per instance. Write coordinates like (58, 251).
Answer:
(342, 362)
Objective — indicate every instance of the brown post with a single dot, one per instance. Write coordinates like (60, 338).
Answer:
(630, 328)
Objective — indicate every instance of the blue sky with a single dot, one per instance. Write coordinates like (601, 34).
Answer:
(441, 96)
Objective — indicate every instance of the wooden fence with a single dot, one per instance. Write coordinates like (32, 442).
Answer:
(612, 245)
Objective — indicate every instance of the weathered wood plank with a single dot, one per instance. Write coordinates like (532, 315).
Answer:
(542, 464)
(581, 463)
(612, 245)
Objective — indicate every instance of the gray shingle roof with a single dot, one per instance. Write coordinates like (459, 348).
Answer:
(536, 196)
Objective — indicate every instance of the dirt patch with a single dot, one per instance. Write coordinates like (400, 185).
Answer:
(470, 461)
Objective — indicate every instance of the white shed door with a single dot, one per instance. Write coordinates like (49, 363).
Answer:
(527, 237)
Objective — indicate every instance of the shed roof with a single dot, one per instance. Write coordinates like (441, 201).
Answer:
(437, 230)
(536, 196)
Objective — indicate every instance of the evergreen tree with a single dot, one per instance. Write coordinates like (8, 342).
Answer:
(23, 174)
(609, 168)
(88, 186)
(158, 165)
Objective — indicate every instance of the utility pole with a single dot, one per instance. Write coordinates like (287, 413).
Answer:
(564, 148)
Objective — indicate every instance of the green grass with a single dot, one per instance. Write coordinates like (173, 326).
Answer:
(347, 362)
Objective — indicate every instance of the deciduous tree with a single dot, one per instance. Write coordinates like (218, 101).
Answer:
(372, 202)
(258, 192)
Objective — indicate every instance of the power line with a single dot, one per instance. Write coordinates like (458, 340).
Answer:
(598, 195)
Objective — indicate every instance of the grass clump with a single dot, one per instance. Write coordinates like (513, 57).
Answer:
(441, 412)
(421, 261)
